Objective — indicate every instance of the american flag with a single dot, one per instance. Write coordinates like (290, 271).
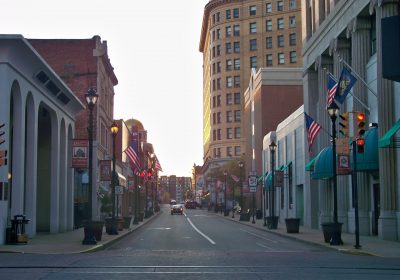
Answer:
(312, 130)
(133, 157)
(157, 164)
(332, 87)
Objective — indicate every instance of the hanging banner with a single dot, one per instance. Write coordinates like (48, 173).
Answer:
(343, 167)
(105, 170)
(131, 183)
(80, 153)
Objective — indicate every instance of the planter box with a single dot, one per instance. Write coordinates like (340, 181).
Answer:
(120, 223)
(272, 222)
(110, 227)
(244, 217)
(292, 225)
(332, 230)
(127, 222)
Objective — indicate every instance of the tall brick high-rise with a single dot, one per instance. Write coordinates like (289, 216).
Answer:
(236, 36)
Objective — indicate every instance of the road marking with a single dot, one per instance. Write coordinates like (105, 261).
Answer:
(161, 228)
(264, 246)
(202, 234)
(259, 236)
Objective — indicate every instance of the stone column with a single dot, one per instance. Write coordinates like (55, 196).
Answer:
(55, 174)
(323, 64)
(359, 32)
(63, 179)
(340, 49)
(386, 115)
(311, 205)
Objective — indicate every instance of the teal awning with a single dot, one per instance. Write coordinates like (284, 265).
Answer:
(323, 165)
(286, 166)
(268, 181)
(310, 165)
(261, 178)
(387, 140)
(369, 160)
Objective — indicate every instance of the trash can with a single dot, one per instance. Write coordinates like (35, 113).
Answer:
(18, 234)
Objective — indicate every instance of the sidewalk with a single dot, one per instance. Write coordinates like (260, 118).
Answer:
(68, 242)
(370, 245)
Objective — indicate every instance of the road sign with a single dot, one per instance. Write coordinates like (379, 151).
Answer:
(252, 182)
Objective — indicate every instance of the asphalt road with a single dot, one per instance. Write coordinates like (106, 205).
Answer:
(201, 245)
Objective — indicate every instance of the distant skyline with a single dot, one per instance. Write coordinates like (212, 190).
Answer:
(153, 47)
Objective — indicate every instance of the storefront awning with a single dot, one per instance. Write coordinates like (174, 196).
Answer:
(310, 165)
(268, 181)
(369, 160)
(323, 165)
(286, 166)
(388, 140)
(261, 178)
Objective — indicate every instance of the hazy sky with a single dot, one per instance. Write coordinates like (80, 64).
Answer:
(153, 47)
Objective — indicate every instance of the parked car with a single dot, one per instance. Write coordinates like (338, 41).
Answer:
(177, 209)
(190, 204)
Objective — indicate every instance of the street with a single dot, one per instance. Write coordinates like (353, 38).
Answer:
(200, 245)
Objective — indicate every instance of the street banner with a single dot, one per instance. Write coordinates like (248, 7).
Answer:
(80, 153)
(105, 170)
(131, 183)
(344, 167)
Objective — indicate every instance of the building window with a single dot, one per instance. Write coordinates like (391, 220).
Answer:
(281, 58)
(219, 83)
(237, 132)
(219, 134)
(228, 14)
(228, 65)
(253, 62)
(253, 10)
(236, 47)
(218, 50)
(236, 13)
(268, 25)
(229, 116)
(293, 57)
(229, 99)
(214, 135)
(218, 17)
(229, 82)
(292, 39)
(218, 101)
(228, 151)
(292, 21)
(213, 68)
(237, 97)
(214, 102)
(269, 59)
(228, 31)
(281, 41)
(229, 133)
(236, 64)
(213, 19)
(279, 6)
(213, 87)
(281, 24)
(219, 117)
(213, 35)
(218, 33)
(236, 81)
(228, 48)
(253, 44)
(268, 42)
(237, 151)
(237, 116)
(218, 153)
(292, 4)
(236, 30)
(218, 67)
(269, 7)
(213, 52)
(253, 27)
(214, 119)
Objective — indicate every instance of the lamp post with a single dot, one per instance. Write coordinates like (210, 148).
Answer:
(91, 98)
(241, 187)
(273, 221)
(333, 111)
(225, 174)
(114, 132)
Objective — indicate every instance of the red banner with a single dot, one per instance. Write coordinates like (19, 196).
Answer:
(80, 153)
(105, 170)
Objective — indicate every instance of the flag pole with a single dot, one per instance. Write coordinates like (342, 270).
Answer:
(358, 76)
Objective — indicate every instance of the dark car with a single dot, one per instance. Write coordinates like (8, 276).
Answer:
(190, 204)
(177, 209)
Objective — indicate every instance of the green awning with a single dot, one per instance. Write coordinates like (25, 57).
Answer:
(323, 165)
(369, 160)
(280, 168)
(310, 165)
(268, 181)
(286, 166)
(261, 178)
(387, 140)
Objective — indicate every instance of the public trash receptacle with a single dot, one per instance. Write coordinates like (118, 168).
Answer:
(18, 229)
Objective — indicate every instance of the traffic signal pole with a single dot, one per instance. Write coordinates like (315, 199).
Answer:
(355, 194)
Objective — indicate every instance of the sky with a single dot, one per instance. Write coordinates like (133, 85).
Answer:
(154, 49)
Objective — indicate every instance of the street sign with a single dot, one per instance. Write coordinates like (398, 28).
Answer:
(252, 182)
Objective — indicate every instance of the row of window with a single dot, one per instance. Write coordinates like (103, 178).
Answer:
(234, 13)
(235, 31)
(231, 99)
(229, 151)
(230, 133)
(231, 116)
(230, 83)
(280, 39)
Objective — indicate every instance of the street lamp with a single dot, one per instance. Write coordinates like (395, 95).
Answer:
(91, 98)
(225, 174)
(241, 187)
(273, 221)
(114, 132)
(333, 111)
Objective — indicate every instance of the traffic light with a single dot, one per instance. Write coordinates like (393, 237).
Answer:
(360, 119)
(344, 124)
(360, 145)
